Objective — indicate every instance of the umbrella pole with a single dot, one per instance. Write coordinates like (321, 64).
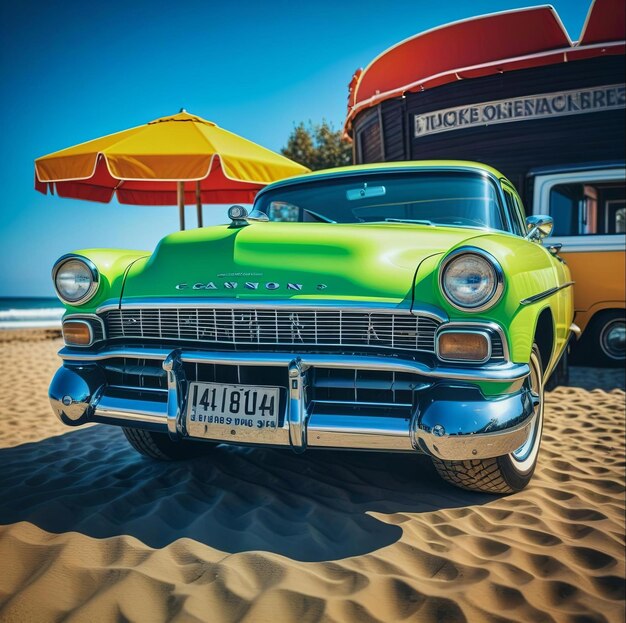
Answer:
(199, 204)
(180, 194)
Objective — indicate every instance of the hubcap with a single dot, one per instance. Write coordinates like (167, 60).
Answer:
(613, 339)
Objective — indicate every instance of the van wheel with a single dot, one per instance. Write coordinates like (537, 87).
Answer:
(604, 340)
(159, 446)
(509, 473)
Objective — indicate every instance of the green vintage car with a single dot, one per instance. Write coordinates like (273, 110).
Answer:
(400, 307)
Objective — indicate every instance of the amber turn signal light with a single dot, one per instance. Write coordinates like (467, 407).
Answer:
(77, 333)
(463, 346)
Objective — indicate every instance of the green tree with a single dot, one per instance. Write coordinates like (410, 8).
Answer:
(318, 146)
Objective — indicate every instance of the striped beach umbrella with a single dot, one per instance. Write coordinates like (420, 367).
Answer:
(177, 160)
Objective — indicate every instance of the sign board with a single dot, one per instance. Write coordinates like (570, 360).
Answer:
(542, 106)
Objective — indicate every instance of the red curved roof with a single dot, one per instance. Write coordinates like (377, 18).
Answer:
(484, 45)
(606, 21)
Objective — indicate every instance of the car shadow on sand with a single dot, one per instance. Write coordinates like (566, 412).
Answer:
(309, 507)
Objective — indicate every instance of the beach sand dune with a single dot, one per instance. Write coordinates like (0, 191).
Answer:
(91, 531)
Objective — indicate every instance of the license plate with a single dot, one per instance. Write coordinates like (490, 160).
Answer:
(243, 407)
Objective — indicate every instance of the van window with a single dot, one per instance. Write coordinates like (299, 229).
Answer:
(591, 208)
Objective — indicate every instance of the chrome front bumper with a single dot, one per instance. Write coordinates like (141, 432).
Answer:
(452, 420)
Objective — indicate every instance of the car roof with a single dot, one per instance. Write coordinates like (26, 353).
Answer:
(381, 167)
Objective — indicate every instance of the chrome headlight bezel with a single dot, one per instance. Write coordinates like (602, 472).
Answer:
(498, 279)
(94, 274)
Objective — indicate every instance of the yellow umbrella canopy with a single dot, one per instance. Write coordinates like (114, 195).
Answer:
(181, 159)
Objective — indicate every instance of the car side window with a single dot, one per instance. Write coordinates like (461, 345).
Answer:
(516, 211)
(521, 214)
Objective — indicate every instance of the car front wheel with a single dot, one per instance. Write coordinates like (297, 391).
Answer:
(509, 473)
(159, 446)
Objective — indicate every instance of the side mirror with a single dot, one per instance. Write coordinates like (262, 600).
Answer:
(539, 226)
(239, 216)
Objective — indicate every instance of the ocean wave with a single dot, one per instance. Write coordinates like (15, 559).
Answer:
(31, 318)
(31, 314)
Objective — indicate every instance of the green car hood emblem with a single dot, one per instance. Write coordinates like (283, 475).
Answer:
(291, 260)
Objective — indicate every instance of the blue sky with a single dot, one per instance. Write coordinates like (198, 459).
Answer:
(72, 71)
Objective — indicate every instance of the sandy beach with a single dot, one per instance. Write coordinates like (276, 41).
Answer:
(91, 531)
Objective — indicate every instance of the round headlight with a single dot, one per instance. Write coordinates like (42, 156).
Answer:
(75, 279)
(471, 280)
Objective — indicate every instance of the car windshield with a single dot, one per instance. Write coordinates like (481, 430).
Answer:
(429, 198)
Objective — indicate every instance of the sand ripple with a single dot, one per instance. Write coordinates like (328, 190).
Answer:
(89, 531)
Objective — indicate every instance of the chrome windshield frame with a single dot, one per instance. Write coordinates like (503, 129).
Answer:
(314, 177)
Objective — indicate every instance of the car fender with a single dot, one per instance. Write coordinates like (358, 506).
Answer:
(529, 271)
(112, 265)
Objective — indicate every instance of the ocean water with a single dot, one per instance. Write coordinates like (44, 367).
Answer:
(30, 313)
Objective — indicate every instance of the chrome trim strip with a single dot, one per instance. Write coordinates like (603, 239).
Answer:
(108, 305)
(498, 373)
(613, 248)
(359, 425)
(582, 243)
(117, 408)
(135, 388)
(473, 361)
(291, 304)
(357, 403)
(372, 346)
(499, 288)
(359, 432)
(546, 294)
(95, 278)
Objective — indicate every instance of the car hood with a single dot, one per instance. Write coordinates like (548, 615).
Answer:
(373, 262)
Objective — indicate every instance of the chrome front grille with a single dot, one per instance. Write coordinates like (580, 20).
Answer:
(369, 389)
(327, 390)
(279, 326)
(497, 347)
